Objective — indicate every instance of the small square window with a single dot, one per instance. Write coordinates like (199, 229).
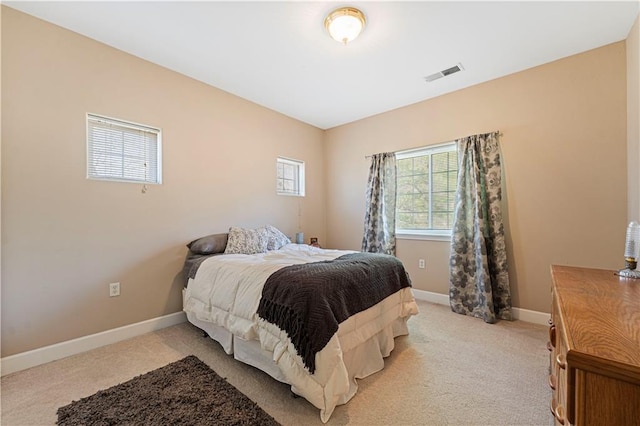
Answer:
(123, 151)
(289, 177)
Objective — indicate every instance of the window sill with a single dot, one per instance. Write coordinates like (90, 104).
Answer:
(423, 237)
(289, 194)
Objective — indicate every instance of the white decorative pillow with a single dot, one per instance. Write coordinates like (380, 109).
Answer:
(246, 241)
(276, 238)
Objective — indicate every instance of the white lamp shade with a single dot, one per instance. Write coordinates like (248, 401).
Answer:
(345, 24)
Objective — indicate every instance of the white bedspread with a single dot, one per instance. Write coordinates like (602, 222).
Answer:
(226, 291)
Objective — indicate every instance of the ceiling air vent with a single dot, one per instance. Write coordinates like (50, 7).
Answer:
(444, 73)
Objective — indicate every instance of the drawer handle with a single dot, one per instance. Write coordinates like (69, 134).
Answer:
(552, 381)
(549, 346)
(561, 361)
(557, 411)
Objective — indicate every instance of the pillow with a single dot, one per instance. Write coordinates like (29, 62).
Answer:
(215, 243)
(276, 238)
(246, 241)
(191, 264)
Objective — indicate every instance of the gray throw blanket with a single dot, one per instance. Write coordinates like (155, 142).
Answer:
(309, 301)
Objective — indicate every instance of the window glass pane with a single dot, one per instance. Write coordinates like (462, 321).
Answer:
(404, 220)
(441, 221)
(453, 160)
(440, 201)
(405, 185)
(421, 184)
(421, 165)
(451, 201)
(440, 181)
(421, 203)
(453, 180)
(421, 221)
(288, 171)
(289, 177)
(440, 162)
(404, 202)
(404, 167)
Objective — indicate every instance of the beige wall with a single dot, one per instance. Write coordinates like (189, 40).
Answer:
(564, 155)
(64, 238)
(633, 120)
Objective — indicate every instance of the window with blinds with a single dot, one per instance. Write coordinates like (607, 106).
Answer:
(427, 180)
(289, 177)
(123, 151)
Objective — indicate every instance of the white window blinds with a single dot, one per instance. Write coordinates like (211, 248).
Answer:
(427, 180)
(289, 177)
(123, 151)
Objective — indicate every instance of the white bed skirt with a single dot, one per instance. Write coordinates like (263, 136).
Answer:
(365, 340)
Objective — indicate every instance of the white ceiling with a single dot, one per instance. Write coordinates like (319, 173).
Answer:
(278, 54)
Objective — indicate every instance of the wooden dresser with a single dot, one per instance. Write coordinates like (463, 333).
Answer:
(594, 340)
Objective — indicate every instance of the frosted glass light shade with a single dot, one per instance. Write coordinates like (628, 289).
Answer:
(345, 24)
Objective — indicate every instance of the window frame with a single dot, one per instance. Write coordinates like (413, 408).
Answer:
(299, 179)
(95, 119)
(431, 234)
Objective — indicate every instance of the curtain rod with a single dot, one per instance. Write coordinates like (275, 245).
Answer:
(498, 132)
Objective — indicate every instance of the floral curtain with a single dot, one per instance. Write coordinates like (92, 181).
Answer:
(380, 216)
(479, 280)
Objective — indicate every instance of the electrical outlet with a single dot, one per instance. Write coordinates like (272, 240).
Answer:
(421, 263)
(114, 289)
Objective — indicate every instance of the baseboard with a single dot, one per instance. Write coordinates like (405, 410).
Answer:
(534, 317)
(526, 315)
(22, 361)
(428, 296)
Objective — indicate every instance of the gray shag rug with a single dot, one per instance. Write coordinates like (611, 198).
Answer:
(185, 392)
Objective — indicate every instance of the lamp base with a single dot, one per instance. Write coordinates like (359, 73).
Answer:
(629, 273)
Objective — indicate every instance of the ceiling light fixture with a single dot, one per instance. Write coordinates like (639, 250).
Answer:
(345, 24)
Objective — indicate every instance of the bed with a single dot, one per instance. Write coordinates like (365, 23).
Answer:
(316, 319)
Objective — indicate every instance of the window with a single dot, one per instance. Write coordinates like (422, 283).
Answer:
(427, 180)
(290, 177)
(123, 151)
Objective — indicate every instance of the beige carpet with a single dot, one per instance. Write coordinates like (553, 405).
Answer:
(451, 370)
